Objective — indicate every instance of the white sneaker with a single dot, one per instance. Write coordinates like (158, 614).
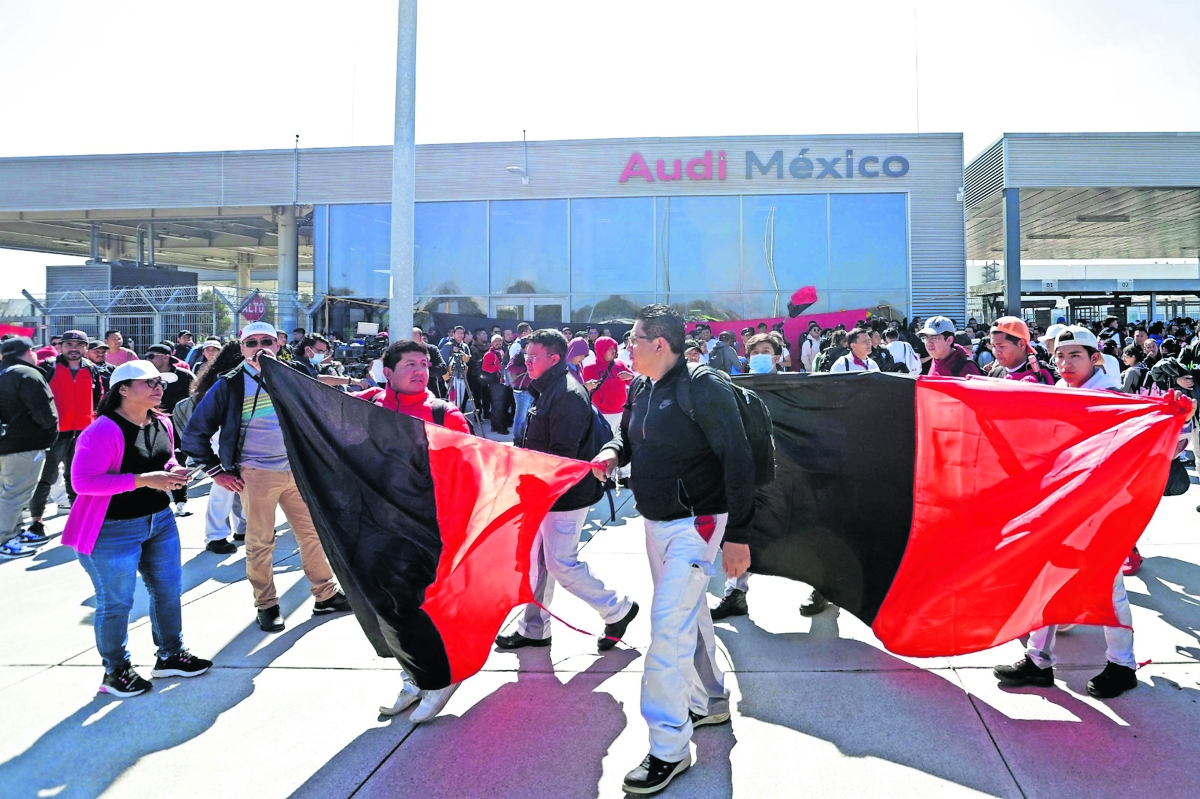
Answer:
(409, 694)
(432, 703)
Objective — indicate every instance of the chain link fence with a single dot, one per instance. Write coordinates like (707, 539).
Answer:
(145, 315)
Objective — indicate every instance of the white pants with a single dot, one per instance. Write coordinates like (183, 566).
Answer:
(614, 421)
(681, 672)
(741, 583)
(224, 514)
(555, 559)
(19, 475)
(1118, 640)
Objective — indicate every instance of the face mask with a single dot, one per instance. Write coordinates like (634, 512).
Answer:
(761, 364)
(317, 359)
(377, 372)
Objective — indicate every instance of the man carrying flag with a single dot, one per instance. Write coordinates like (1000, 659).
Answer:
(406, 367)
(1080, 364)
(691, 478)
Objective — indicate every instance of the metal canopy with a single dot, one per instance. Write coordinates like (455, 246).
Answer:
(1074, 223)
(1087, 196)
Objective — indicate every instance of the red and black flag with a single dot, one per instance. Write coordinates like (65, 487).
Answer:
(428, 531)
(954, 515)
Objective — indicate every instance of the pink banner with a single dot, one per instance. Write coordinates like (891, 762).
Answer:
(16, 330)
(794, 329)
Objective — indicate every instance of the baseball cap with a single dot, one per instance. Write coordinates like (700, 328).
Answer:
(936, 326)
(15, 346)
(75, 335)
(97, 344)
(1052, 333)
(1012, 326)
(158, 349)
(139, 370)
(1077, 335)
(258, 329)
(184, 333)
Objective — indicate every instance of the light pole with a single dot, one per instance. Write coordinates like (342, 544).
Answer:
(404, 174)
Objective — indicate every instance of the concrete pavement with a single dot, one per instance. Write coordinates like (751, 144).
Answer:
(820, 707)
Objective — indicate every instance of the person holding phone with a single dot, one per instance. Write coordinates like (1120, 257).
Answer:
(124, 470)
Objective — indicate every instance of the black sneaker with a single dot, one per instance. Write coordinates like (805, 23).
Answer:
(734, 604)
(239, 536)
(616, 630)
(182, 664)
(124, 682)
(516, 641)
(1024, 672)
(269, 620)
(653, 775)
(815, 604)
(710, 720)
(335, 604)
(37, 528)
(1112, 682)
(220, 547)
(32, 539)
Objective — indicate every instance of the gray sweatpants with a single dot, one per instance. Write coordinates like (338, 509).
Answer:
(19, 475)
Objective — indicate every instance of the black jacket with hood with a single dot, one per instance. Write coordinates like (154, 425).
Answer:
(560, 423)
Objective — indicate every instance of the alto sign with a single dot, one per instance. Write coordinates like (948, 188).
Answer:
(255, 307)
(802, 166)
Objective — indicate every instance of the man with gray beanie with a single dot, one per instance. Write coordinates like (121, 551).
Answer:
(29, 423)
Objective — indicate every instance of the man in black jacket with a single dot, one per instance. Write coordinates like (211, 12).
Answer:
(30, 428)
(693, 479)
(560, 423)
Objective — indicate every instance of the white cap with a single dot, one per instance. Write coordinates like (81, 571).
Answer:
(139, 370)
(258, 329)
(1076, 335)
(1052, 333)
(936, 326)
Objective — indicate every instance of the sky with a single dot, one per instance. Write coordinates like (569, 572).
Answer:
(137, 76)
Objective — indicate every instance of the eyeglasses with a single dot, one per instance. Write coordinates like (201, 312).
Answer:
(155, 382)
(643, 338)
(258, 342)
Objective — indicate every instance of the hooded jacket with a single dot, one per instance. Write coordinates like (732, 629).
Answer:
(957, 364)
(610, 395)
(26, 408)
(560, 423)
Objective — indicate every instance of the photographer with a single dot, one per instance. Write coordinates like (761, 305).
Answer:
(311, 357)
(457, 354)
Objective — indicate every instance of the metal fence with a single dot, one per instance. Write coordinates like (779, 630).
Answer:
(145, 315)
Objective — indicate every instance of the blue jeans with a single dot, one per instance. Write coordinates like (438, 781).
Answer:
(149, 544)
(522, 400)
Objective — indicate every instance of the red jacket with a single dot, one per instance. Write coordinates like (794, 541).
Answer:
(493, 362)
(610, 396)
(75, 397)
(416, 405)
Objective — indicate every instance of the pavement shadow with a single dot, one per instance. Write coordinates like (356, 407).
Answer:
(862, 700)
(1150, 743)
(535, 730)
(1177, 606)
(85, 753)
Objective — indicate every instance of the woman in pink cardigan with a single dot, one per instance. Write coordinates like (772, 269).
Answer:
(122, 523)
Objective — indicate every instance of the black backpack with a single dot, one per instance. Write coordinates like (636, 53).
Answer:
(440, 407)
(756, 419)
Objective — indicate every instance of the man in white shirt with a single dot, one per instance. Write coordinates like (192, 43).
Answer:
(810, 347)
(902, 351)
(859, 357)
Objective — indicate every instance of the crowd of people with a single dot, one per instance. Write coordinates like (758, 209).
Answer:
(128, 434)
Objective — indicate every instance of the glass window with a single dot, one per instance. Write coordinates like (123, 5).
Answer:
(785, 242)
(713, 307)
(359, 250)
(897, 299)
(612, 244)
(465, 306)
(868, 246)
(698, 243)
(607, 307)
(450, 252)
(529, 246)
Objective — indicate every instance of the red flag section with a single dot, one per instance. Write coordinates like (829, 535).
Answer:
(1026, 501)
(491, 499)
